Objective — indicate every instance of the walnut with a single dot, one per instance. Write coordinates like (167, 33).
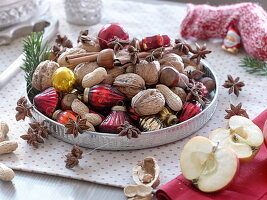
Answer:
(62, 58)
(84, 68)
(172, 60)
(129, 84)
(149, 71)
(42, 76)
(147, 172)
(148, 102)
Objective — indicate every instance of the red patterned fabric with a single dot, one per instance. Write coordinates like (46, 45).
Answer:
(204, 21)
(250, 184)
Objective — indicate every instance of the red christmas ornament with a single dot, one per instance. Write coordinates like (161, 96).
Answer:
(62, 117)
(47, 101)
(116, 118)
(102, 96)
(154, 42)
(109, 31)
(190, 109)
(133, 114)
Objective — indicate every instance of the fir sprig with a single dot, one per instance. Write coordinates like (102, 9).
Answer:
(253, 65)
(34, 51)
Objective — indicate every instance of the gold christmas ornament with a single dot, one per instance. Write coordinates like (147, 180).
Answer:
(167, 116)
(150, 123)
(64, 79)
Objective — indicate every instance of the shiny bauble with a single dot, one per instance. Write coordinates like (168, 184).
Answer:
(64, 79)
(116, 118)
(167, 117)
(102, 96)
(150, 123)
(110, 32)
(47, 101)
(190, 109)
(63, 117)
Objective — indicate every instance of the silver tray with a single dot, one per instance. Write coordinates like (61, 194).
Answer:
(108, 141)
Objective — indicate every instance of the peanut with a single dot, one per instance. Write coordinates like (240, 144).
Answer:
(3, 130)
(79, 107)
(6, 173)
(94, 78)
(8, 147)
(93, 118)
(91, 127)
(172, 99)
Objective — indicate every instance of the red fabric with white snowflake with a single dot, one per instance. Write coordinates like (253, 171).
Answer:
(204, 21)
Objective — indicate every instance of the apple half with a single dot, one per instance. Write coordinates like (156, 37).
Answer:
(208, 166)
(242, 136)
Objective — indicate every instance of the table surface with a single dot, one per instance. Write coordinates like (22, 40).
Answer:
(38, 186)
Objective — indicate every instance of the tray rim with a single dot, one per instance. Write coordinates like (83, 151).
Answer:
(215, 97)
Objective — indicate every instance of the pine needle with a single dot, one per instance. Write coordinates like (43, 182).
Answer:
(34, 53)
(253, 65)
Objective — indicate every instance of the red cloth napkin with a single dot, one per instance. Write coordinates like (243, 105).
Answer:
(250, 184)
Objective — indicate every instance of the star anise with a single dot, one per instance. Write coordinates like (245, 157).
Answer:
(117, 44)
(32, 138)
(195, 74)
(199, 53)
(155, 55)
(40, 129)
(234, 85)
(236, 110)
(71, 161)
(77, 152)
(63, 41)
(83, 38)
(75, 127)
(195, 92)
(182, 46)
(128, 130)
(23, 109)
(133, 52)
(135, 43)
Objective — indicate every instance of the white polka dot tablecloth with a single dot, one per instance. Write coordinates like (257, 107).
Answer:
(114, 167)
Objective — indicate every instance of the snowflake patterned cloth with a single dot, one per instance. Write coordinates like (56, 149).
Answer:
(204, 21)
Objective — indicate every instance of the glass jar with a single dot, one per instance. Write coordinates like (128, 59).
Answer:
(83, 12)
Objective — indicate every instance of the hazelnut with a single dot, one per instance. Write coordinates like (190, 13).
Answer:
(106, 58)
(183, 82)
(180, 92)
(209, 83)
(149, 71)
(42, 76)
(172, 59)
(169, 76)
(148, 102)
(129, 84)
